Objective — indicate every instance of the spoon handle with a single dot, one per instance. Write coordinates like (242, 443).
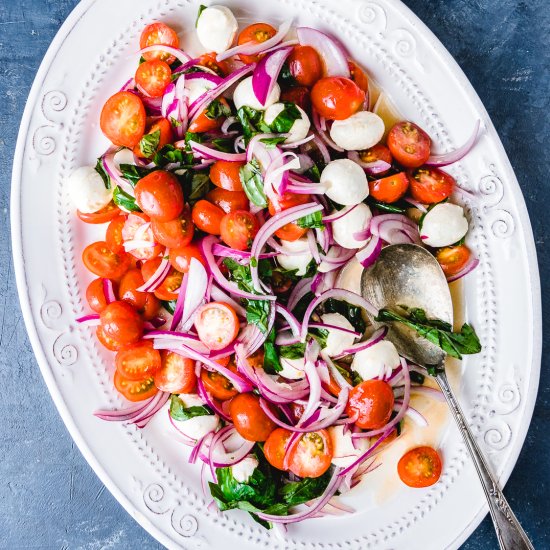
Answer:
(510, 534)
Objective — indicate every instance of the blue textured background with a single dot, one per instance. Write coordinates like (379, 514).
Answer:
(49, 496)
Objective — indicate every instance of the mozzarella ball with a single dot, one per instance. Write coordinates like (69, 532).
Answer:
(300, 261)
(299, 128)
(198, 426)
(337, 341)
(375, 361)
(87, 190)
(124, 156)
(195, 87)
(349, 277)
(216, 28)
(344, 452)
(443, 225)
(354, 221)
(360, 131)
(293, 369)
(243, 470)
(345, 182)
(244, 95)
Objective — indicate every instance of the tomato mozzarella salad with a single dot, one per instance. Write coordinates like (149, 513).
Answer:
(245, 190)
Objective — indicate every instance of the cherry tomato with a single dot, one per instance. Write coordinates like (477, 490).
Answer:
(431, 185)
(453, 259)
(159, 33)
(217, 325)
(166, 290)
(138, 361)
(135, 390)
(95, 295)
(291, 231)
(103, 262)
(358, 76)
(226, 174)
(228, 201)
(239, 228)
(121, 322)
(280, 283)
(177, 374)
(107, 342)
(420, 467)
(205, 124)
(113, 235)
(151, 308)
(336, 97)
(106, 214)
(134, 225)
(175, 233)
(332, 386)
(207, 217)
(371, 404)
(312, 455)
(208, 60)
(123, 119)
(180, 257)
(299, 95)
(275, 447)
(390, 188)
(128, 292)
(249, 418)
(378, 152)
(254, 34)
(152, 77)
(218, 385)
(160, 196)
(164, 127)
(305, 65)
(409, 144)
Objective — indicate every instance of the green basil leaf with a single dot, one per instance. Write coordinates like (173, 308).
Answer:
(169, 306)
(272, 142)
(352, 313)
(217, 109)
(305, 490)
(257, 313)
(311, 221)
(285, 119)
(224, 144)
(393, 208)
(201, 9)
(199, 187)
(253, 183)
(122, 199)
(149, 143)
(178, 410)
(272, 364)
(170, 155)
(101, 171)
(134, 173)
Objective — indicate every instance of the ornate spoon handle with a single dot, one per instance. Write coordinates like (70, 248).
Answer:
(510, 534)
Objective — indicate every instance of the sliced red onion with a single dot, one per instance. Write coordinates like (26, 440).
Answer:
(312, 375)
(227, 123)
(371, 168)
(136, 413)
(128, 86)
(157, 277)
(378, 336)
(267, 71)
(207, 78)
(175, 341)
(206, 152)
(218, 457)
(458, 154)
(335, 60)
(196, 449)
(396, 231)
(322, 149)
(108, 162)
(369, 253)
(92, 320)
(318, 122)
(418, 418)
(312, 242)
(336, 374)
(433, 393)
(295, 144)
(416, 204)
(368, 453)
(180, 55)
(195, 290)
(303, 286)
(219, 295)
(276, 175)
(290, 319)
(135, 244)
(468, 268)
(339, 213)
(210, 401)
(241, 256)
(169, 104)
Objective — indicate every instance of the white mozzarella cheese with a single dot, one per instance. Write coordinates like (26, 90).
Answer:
(361, 130)
(337, 341)
(344, 228)
(299, 128)
(443, 225)
(375, 361)
(216, 28)
(298, 261)
(345, 182)
(88, 191)
(244, 95)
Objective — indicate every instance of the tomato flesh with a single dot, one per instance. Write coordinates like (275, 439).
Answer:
(218, 385)
(358, 76)
(103, 262)
(181, 257)
(95, 296)
(166, 290)
(123, 119)
(249, 419)
(275, 447)
(312, 455)
(420, 467)
(378, 152)
(152, 77)
(106, 214)
(127, 289)
(217, 325)
(370, 404)
(300, 95)
(175, 233)
(409, 144)
(453, 259)
(226, 174)
(135, 223)
(390, 188)
(163, 127)
(431, 185)
(305, 65)
(177, 373)
(208, 60)
(135, 390)
(207, 217)
(138, 361)
(336, 97)
(113, 235)
(228, 201)
(160, 196)
(121, 322)
(159, 33)
(239, 228)
(291, 231)
(202, 123)
(255, 34)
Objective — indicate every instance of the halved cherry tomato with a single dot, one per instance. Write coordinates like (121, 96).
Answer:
(226, 174)
(291, 231)
(228, 201)
(218, 385)
(151, 308)
(160, 196)
(106, 214)
(420, 467)
(175, 233)
(166, 290)
(164, 127)
(312, 455)
(239, 228)
(378, 152)
(177, 374)
(95, 295)
(208, 60)
(275, 447)
(371, 404)
(138, 361)
(390, 188)
(152, 77)
(431, 185)
(254, 34)
(207, 217)
(249, 419)
(159, 33)
(123, 119)
(134, 225)
(453, 259)
(128, 292)
(180, 257)
(299, 95)
(103, 262)
(135, 390)
(113, 235)
(121, 322)
(305, 65)
(336, 97)
(332, 386)
(409, 144)
(217, 325)
(203, 123)
(358, 76)
(108, 342)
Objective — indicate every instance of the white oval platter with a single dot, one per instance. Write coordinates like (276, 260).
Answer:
(146, 470)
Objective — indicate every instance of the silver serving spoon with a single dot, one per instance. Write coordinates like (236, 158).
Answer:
(407, 274)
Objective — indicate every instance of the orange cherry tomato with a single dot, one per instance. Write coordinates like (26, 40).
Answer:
(299, 95)
(378, 152)
(151, 308)
(217, 325)
(103, 262)
(255, 34)
(159, 33)
(371, 404)
(390, 188)
(409, 144)
(312, 455)
(239, 228)
(175, 233)
(218, 385)
(207, 217)
(453, 259)
(106, 214)
(135, 222)
(305, 65)
(108, 342)
(128, 292)
(164, 127)
(336, 97)
(152, 77)
(291, 231)
(332, 386)
(208, 60)
(113, 235)
(228, 201)
(226, 174)
(121, 322)
(358, 76)
(138, 361)
(177, 374)
(166, 290)
(123, 119)
(160, 196)
(275, 447)
(249, 419)
(431, 185)
(135, 390)
(180, 257)
(95, 295)
(205, 124)
(420, 467)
